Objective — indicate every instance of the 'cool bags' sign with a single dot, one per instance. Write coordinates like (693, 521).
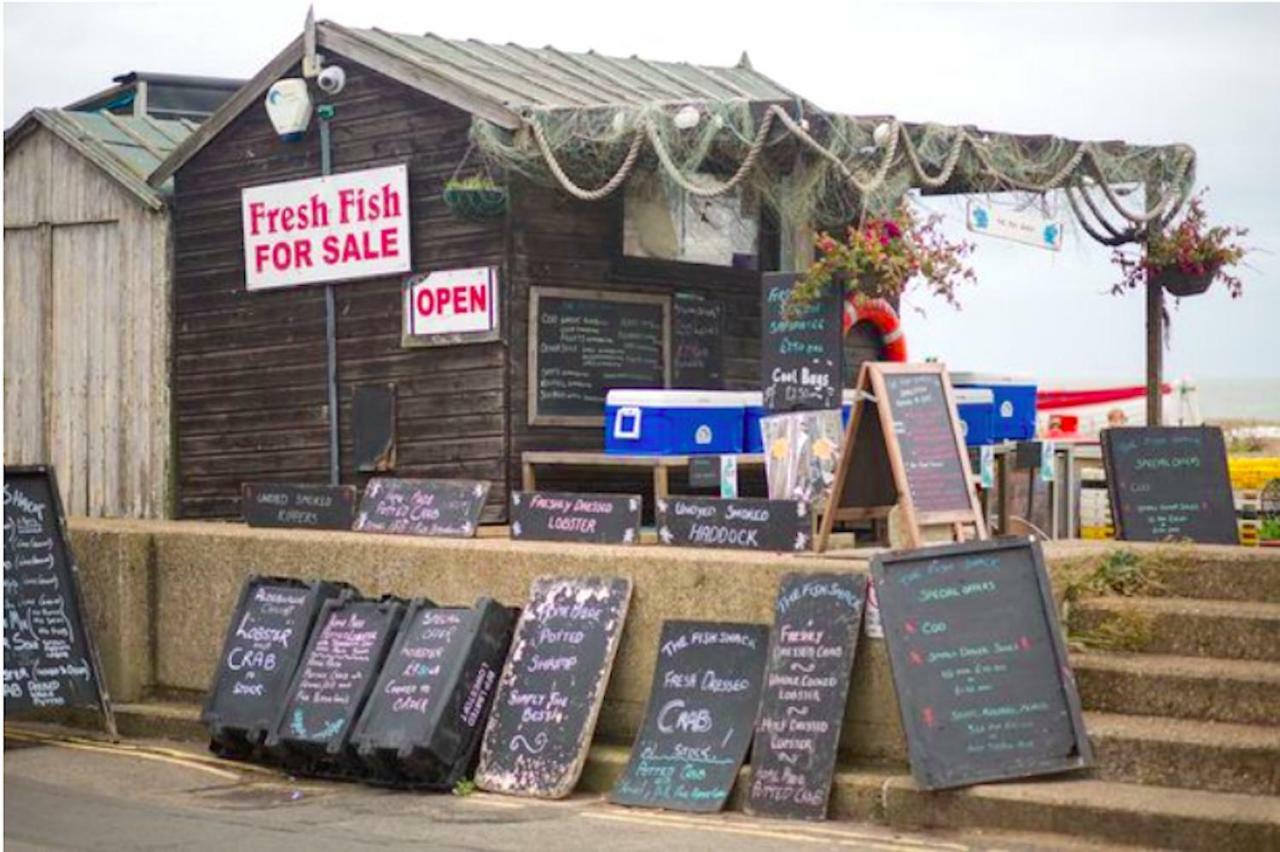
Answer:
(353, 225)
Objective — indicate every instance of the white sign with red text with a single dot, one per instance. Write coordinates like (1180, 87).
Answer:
(452, 301)
(352, 225)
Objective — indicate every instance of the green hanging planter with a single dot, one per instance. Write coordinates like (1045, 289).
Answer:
(475, 199)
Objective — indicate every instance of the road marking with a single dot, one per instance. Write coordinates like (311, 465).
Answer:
(852, 839)
(129, 752)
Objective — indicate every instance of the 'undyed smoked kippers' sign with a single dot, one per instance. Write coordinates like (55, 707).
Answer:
(322, 507)
(561, 516)
(334, 228)
(744, 524)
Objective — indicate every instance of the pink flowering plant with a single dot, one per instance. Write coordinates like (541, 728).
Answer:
(1191, 248)
(880, 257)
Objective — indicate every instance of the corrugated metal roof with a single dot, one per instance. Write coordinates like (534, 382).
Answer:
(127, 147)
(521, 77)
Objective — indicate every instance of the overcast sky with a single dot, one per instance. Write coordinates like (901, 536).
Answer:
(1205, 75)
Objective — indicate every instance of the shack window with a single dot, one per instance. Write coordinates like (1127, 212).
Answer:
(662, 221)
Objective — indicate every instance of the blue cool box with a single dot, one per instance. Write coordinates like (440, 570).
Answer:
(1015, 403)
(753, 439)
(673, 422)
(977, 410)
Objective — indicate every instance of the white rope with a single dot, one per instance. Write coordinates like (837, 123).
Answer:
(715, 189)
(572, 188)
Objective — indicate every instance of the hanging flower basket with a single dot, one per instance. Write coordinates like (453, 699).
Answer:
(475, 199)
(1183, 284)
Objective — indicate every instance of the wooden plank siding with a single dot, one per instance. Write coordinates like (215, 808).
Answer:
(86, 331)
(250, 397)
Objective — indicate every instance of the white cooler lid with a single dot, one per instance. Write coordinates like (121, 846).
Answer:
(991, 379)
(673, 398)
(974, 396)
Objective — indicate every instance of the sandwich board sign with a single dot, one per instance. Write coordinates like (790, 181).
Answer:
(904, 448)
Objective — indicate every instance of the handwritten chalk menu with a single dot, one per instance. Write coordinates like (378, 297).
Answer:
(434, 507)
(698, 722)
(698, 342)
(801, 348)
(558, 516)
(1170, 483)
(424, 719)
(924, 425)
(979, 663)
(746, 524)
(584, 342)
(321, 507)
(552, 686)
(49, 658)
(265, 640)
(811, 649)
(337, 672)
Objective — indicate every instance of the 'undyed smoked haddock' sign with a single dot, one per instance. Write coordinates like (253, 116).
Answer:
(432, 507)
(562, 516)
(50, 660)
(1170, 483)
(811, 651)
(552, 686)
(979, 663)
(333, 228)
(698, 722)
(745, 523)
(278, 504)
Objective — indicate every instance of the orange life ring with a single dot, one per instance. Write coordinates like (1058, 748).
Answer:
(881, 314)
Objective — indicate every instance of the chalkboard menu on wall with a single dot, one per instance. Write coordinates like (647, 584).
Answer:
(1170, 483)
(979, 663)
(744, 524)
(811, 650)
(698, 722)
(321, 507)
(333, 681)
(698, 342)
(50, 660)
(584, 342)
(561, 516)
(552, 686)
(265, 639)
(923, 425)
(801, 348)
(438, 507)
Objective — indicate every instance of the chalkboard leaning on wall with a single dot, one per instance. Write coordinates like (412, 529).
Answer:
(584, 342)
(50, 658)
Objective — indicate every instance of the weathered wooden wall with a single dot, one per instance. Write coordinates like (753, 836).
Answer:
(86, 331)
(250, 399)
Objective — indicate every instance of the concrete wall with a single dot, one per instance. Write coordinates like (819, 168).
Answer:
(159, 596)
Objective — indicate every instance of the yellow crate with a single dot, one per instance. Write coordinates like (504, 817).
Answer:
(1252, 472)
(1098, 532)
(1249, 533)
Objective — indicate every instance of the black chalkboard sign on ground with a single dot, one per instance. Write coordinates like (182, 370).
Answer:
(744, 524)
(816, 623)
(698, 722)
(801, 348)
(50, 660)
(584, 342)
(423, 722)
(351, 639)
(698, 342)
(266, 636)
(903, 449)
(278, 504)
(979, 663)
(561, 516)
(1170, 483)
(552, 686)
(432, 507)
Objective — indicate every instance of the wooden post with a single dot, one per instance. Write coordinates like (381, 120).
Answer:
(1155, 323)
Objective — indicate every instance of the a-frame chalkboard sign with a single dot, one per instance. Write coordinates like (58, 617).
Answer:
(50, 659)
(903, 448)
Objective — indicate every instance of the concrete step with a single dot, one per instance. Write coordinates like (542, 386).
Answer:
(1073, 807)
(1238, 630)
(1256, 578)
(1186, 753)
(1242, 691)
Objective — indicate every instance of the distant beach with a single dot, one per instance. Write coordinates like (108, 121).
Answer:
(1234, 401)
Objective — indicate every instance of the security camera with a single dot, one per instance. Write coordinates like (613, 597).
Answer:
(331, 80)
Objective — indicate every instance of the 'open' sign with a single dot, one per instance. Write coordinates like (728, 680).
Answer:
(452, 302)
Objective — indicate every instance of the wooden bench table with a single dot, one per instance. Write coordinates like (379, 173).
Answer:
(659, 465)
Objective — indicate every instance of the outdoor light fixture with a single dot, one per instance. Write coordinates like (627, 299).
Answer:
(289, 108)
